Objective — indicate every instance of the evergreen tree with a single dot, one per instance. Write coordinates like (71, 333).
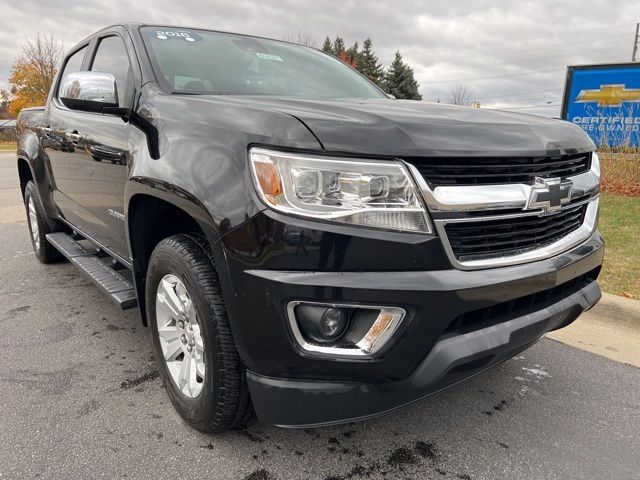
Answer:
(327, 46)
(368, 63)
(399, 81)
(338, 46)
(353, 52)
(352, 56)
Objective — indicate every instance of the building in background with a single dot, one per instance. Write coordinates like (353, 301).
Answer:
(8, 130)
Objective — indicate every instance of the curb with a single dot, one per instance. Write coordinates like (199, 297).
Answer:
(621, 310)
(611, 329)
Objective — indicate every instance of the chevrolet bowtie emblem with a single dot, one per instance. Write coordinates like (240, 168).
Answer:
(549, 194)
(609, 95)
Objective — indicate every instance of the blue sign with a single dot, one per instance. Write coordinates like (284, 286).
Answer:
(604, 100)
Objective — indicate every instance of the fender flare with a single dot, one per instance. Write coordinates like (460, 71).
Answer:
(30, 151)
(181, 199)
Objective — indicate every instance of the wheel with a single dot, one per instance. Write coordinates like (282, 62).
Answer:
(39, 226)
(192, 341)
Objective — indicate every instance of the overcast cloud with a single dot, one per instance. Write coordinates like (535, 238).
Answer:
(509, 54)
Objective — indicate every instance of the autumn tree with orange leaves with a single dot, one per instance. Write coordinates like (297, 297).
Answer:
(33, 72)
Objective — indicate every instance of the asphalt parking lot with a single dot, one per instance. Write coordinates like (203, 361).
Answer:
(80, 398)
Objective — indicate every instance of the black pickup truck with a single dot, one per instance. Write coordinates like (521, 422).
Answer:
(298, 241)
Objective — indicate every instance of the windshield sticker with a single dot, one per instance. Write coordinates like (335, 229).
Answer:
(268, 56)
(179, 35)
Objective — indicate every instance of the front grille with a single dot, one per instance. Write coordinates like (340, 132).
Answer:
(511, 236)
(518, 307)
(497, 170)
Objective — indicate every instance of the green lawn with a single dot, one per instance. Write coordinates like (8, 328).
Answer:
(620, 225)
(7, 147)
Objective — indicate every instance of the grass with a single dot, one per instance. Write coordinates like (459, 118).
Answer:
(620, 226)
(7, 146)
(621, 173)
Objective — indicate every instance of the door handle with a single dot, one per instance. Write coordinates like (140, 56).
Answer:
(74, 137)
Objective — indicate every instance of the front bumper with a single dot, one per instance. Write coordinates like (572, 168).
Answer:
(291, 388)
(300, 403)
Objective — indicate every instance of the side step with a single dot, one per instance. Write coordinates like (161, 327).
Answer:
(114, 285)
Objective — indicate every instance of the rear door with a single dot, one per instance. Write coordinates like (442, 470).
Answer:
(100, 170)
(59, 149)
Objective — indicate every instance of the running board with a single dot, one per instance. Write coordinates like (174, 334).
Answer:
(114, 285)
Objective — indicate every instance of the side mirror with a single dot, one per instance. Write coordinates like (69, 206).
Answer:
(89, 91)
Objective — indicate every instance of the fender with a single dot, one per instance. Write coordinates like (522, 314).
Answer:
(173, 195)
(30, 150)
(177, 197)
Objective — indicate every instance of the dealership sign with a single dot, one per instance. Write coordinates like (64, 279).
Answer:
(604, 100)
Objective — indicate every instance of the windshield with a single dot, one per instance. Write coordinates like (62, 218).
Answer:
(198, 61)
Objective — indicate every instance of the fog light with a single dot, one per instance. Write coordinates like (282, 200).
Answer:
(321, 324)
(333, 323)
(331, 329)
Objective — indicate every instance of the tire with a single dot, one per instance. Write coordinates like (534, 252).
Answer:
(39, 226)
(217, 399)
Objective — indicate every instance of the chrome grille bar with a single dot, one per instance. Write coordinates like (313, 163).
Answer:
(476, 205)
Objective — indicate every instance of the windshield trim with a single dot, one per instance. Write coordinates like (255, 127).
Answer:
(167, 88)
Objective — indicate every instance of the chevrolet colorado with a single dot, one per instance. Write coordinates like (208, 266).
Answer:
(298, 242)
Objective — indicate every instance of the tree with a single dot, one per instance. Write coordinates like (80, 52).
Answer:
(5, 101)
(338, 46)
(460, 96)
(352, 62)
(327, 46)
(350, 56)
(399, 80)
(354, 52)
(300, 38)
(368, 63)
(33, 72)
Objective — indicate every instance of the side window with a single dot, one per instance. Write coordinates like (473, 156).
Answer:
(73, 63)
(111, 57)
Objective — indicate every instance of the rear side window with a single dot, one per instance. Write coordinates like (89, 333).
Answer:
(73, 63)
(111, 57)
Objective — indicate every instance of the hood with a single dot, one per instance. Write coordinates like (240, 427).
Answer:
(415, 128)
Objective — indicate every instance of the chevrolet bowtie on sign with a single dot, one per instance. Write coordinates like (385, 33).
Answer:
(549, 194)
(609, 95)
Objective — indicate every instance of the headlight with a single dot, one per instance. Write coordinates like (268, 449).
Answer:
(357, 192)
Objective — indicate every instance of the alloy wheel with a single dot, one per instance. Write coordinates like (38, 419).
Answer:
(33, 223)
(180, 335)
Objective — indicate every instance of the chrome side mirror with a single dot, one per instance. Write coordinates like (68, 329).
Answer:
(89, 91)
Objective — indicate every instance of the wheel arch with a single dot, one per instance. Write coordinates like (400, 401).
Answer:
(157, 213)
(33, 164)
(25, 174)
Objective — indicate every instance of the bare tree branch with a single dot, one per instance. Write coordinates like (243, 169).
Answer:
(460, 96)
(300, 38)
(44, 54)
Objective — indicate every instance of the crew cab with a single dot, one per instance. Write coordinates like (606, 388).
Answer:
(297, 241)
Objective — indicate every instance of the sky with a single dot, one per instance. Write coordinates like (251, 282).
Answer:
(506, 53)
